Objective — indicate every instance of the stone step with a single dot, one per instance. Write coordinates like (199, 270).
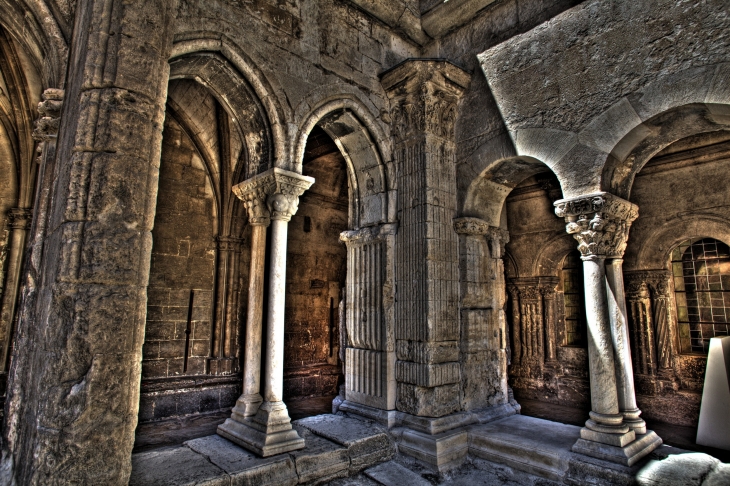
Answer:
(525, 443)
(335, 447)
(393, 474)
(367, 443)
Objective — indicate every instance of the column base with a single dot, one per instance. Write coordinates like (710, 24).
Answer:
(628, 454)
(635, 423)
(246, 406)
(267, 433)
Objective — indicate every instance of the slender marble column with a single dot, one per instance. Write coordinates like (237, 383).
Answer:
(600, 223)
(620, 336)
(259, 218)
(269, 431)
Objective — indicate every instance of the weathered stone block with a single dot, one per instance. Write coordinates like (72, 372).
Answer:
(429, 402)
(321, 460)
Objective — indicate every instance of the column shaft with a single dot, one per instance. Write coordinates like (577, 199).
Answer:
(622, 352)
(604, 397)
(274, 367)
(251, 398)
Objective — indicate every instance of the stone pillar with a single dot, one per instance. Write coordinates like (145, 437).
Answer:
(19, 222)
(90, 304)
(269, 431)
(370, 345)
(483, 335)
(600, 223)
(423, 96)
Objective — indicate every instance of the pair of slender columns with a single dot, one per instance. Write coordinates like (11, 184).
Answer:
(600, 223)
(262, 424)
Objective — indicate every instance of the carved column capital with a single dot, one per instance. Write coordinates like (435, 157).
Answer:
(600, 223)
(655, 280)
(46, 127)
(20, 218)
(273, 194)
(423, 96)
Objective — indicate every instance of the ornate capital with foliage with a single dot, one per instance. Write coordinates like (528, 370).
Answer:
(423, 96)
(273, 194)
(600, 223)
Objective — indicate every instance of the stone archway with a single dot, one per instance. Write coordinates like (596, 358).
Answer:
(367, 333)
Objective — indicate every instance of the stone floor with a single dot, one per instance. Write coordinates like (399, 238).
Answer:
(343, 451)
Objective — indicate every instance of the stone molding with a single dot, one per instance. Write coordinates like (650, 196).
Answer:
(46, 127)
(229, 243)
(368, 234)
(600, 223)
(423, 95)
(20, 218)
(273, 194)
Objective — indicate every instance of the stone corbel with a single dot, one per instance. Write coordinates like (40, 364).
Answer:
(46, 127)
(368, 234)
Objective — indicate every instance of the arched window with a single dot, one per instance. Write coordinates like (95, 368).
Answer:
(571, 280)
(701, 271)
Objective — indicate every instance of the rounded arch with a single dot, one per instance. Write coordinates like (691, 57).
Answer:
(550, 257)
(268, 93)
(487, 193)
(648, 138)
(654, 252)
(359, 139)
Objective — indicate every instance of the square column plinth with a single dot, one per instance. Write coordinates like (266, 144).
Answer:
(267, 433)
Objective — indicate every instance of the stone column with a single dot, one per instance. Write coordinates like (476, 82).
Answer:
(423, 95)
(370, 346)
(600, 223)
(19, 223)
(269, 431)
(254, 199)
(91, 301)
(622, 350)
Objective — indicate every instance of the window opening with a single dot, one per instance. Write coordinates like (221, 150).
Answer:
(701, 272)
